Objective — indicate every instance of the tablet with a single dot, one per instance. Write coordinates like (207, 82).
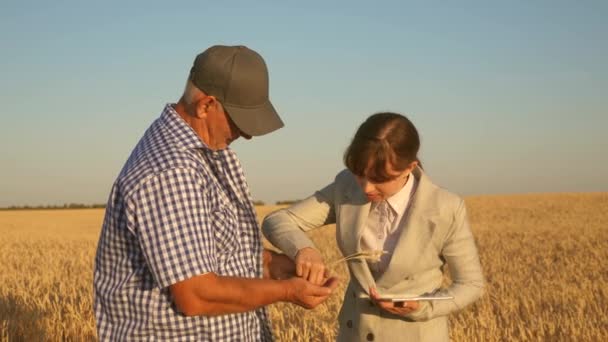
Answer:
(407, 298)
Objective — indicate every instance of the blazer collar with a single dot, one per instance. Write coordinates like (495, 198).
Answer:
(419, 229)
(353, 215)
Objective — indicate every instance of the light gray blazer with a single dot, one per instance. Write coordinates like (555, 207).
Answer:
(436, 233)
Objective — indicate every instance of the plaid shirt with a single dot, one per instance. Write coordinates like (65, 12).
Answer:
(178, 209)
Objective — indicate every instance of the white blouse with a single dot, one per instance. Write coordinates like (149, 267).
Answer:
(384, 225)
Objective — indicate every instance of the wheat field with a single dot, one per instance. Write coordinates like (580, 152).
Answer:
(543, 256)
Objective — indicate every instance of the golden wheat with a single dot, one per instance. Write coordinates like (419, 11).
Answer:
(543, 257)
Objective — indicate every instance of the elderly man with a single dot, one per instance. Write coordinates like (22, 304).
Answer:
(180, 255)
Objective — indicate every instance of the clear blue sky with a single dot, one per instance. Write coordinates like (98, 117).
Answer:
(507, 97)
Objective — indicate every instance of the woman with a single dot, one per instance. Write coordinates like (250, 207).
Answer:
(384, 201)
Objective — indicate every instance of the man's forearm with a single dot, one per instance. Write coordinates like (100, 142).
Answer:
(211, 294)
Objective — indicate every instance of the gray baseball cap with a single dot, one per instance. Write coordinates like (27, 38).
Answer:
(237, 76)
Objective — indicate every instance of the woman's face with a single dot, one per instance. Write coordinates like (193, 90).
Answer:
(377, 192)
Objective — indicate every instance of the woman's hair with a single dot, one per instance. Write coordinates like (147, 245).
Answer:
(382, 138)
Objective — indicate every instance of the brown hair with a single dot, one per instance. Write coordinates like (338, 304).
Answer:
(382, 138)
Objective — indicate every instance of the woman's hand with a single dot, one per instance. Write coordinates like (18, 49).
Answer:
(397, 308)
(310, 266)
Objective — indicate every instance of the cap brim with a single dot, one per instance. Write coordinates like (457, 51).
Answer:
(255, 121)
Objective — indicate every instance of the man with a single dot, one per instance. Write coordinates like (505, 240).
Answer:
(180, 255)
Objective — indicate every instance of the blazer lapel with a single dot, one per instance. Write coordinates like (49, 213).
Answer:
(418, 230)
(353, 216)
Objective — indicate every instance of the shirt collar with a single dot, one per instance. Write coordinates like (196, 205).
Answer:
(183, 133)
(399, 201)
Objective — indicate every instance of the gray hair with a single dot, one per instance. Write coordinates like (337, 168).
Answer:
(191, 93)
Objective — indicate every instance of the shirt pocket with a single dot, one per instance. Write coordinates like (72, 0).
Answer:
(226, 231)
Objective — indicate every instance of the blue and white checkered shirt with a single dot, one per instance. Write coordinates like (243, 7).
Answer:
(177, 210)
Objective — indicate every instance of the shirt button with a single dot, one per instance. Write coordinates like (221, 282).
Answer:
(370, 337)
(349, 324)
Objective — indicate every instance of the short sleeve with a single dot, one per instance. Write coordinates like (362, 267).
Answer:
(172, 224)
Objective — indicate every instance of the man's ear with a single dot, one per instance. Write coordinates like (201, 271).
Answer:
(204, 105)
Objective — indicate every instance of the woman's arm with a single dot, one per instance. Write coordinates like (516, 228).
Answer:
(286, 230)
(461, 256)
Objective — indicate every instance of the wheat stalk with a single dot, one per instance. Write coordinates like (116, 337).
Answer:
(372, 255)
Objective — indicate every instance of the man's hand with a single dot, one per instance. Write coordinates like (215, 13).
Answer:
(308, 295)
(397, 308)
(278, 266)
(310, 266)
